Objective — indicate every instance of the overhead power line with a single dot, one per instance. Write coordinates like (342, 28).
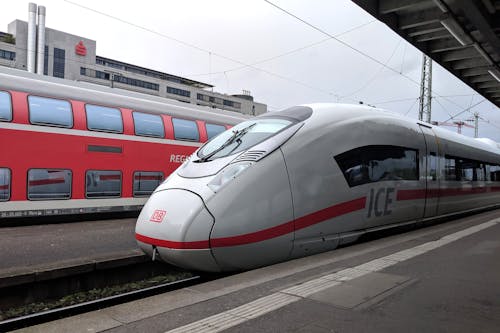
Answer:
(291, 51)
(354, 49)
(137, 26)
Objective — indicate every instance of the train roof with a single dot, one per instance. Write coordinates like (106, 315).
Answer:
(344, 111)
(15, 79)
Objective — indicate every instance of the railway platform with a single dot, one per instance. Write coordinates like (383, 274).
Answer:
(443, 277)
(40, 252)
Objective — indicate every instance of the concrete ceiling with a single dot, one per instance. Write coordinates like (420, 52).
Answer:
(463, 36)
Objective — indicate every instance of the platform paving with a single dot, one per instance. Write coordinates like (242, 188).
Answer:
(443, 278)
(44, 251)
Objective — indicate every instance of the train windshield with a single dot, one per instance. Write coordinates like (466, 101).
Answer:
(241, 137)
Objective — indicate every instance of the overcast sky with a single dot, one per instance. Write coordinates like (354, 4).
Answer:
(251, 45)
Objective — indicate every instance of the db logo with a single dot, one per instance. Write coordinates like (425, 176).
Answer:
(158, 216)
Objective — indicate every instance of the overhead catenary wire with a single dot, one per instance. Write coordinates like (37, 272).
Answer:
(290, 52)
(137, 26)
(370, 80)
(354, 49)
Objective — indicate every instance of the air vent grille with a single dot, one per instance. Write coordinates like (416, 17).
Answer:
(251, 155)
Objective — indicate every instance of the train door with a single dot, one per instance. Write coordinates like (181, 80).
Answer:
(431, 173)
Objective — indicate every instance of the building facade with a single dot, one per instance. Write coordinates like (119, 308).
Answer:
(74, 58)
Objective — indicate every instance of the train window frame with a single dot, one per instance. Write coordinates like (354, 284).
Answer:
(8, 114)
(345, 159)
(30, 195)
(103, 196)
(489, 172)
(214, 135)
(98, 108)
(8, 184)
(176, 137)
(138, 121)
(33, 113)
(150, 173)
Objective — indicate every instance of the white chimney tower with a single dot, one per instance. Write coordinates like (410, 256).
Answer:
(31, 47)
(40, 61)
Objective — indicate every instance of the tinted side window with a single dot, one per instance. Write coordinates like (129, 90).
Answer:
(101, 184)
(148, 124)
(451, 172)
(46, 184)
(4, 184)
(50, 111)
(494, 172)
(213, 130)
(101, 118)
(185, 129)
(378, 163)
(5, 106)
(145, 182)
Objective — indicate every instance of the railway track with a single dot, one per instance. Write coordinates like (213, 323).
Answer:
(49, 315)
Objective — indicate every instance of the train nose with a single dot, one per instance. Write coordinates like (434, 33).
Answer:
(176, 225)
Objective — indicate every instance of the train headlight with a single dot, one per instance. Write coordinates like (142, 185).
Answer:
(227, 174)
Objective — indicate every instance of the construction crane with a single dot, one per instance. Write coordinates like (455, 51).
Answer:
(457, 123)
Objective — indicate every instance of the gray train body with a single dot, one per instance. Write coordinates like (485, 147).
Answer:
(320, 176)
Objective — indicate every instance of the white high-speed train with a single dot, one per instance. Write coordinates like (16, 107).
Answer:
(308, 179)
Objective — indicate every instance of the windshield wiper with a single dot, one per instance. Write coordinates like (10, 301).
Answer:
(236, 136)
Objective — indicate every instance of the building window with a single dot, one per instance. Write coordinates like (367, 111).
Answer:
(378, 163)
(101, 118)
(232, 104)
(185, 130)
(145, 182)
(44, 184)
(148, 124)
(102, 75)
(9, 55)
(103, 184)
(59, 62)
(50, 111)
(177, 91)
(4, 184)
(46, 60)
(136, 83)
(202, 97)
(5, 106)
(214, 130)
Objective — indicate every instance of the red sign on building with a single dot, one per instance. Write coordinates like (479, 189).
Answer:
(80, 49)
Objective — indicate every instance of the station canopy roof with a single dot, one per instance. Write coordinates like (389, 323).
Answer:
(463, 36)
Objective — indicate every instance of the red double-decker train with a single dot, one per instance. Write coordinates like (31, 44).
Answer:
(73, 148)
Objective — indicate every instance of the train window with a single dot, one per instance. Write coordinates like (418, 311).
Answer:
(378, 163)
(145, 182)
(214, 130)
(102, 118)
(50, 111)
(467, 169)
(185, 129)
(5, 106)
(44, 184)
(493, 172)
(450, 168)
(148, 124)
(103, 184)
(479, 171)
(241, 137)
(4, 184)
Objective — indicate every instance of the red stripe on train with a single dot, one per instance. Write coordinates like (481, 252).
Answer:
(443, 192)
(262, 235)
(172, 244)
